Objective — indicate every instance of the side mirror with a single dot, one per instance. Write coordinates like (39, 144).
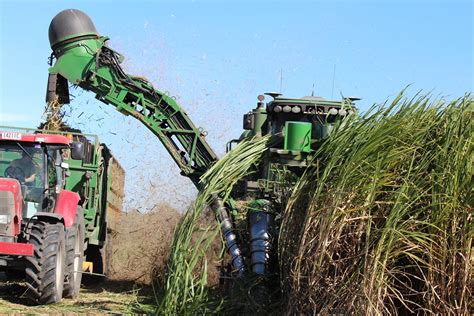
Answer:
(77, 151)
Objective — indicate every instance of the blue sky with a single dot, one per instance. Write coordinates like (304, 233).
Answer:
(216, 58)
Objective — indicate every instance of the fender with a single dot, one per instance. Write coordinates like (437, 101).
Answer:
(66, 205)
(49, 217)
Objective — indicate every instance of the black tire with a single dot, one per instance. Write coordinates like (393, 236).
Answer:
(45, 270)
(74, 255)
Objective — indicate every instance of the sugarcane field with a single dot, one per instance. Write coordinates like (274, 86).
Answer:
(197, 157)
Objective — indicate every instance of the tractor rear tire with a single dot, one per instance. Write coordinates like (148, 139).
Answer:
(45, 269)
(74, 255)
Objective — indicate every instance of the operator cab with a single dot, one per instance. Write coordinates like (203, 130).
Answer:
(315, 110)
(39, 171)
(297, 126)
(36, 161)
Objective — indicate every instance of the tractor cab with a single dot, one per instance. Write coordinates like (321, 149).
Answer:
(26, 162)
(33, 164)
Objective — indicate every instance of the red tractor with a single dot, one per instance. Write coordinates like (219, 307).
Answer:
(41, 223)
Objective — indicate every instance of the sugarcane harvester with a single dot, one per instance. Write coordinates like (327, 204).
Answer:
(81, 56)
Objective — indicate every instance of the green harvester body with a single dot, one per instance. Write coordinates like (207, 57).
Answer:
(86, 61)
(296, 128)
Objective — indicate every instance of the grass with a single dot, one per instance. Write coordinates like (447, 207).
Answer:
(115, 297)
(383, 223)
(380, 224)
(140, 248)
(185, 290)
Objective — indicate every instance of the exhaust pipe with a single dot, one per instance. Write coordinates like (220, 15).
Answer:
(222, 215)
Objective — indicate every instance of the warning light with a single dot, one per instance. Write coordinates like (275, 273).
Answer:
(261, 97)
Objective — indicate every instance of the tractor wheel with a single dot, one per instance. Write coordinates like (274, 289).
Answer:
(74, 255)
(45, 269)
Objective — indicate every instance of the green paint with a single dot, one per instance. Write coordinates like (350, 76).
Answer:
(80, 63)
(260, 128)
(298, 136)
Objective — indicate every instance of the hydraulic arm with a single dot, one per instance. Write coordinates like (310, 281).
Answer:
(83, 58)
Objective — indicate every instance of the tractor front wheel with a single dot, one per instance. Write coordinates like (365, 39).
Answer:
(45, 269)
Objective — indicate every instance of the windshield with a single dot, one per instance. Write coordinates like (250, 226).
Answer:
(24, 162)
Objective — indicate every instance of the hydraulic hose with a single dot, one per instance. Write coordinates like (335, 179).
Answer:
(222, 215)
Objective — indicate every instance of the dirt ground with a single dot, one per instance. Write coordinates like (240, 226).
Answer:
(140, 248)
(110, 297)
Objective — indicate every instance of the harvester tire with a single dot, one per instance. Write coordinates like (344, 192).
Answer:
(45, 269)
(74, 255)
